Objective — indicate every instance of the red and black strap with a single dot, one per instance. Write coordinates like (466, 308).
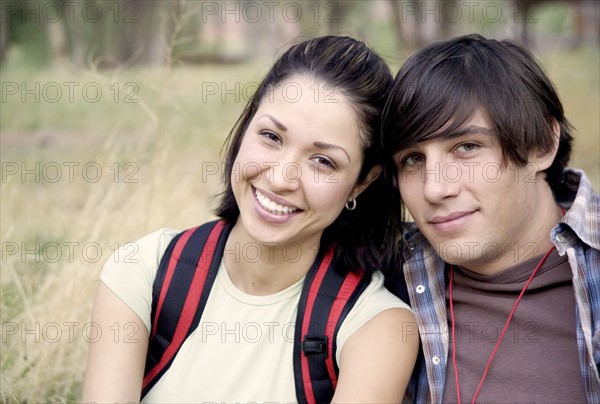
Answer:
(183, 282)
(327, 297)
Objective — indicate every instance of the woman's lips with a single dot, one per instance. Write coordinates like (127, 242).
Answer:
(273, 209)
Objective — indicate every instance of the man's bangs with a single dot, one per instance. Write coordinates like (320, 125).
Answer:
(449, 109)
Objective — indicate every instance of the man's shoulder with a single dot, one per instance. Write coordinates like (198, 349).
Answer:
(578, 194)
(412, 236)
(583, 207)
(411, 228)
(576, 185)
(416, 247)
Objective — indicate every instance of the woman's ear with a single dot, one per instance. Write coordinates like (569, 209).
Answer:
(543, 161)
(371, 176)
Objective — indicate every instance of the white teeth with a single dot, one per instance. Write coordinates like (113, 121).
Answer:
(272, 206)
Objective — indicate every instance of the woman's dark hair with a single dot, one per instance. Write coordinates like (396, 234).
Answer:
(362, 76)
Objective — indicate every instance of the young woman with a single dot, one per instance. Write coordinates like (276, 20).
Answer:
(306, 146)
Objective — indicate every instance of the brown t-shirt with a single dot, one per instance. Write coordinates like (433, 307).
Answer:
(537, 360)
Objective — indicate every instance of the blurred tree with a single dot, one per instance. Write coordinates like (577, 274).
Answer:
(125, 32)
(114, 33)
(53, 19)
(585, 15)
(3, 30)
(417, 23)
(144, 40)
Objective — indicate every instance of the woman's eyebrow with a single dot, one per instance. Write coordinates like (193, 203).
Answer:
(322, 145)
(275, 121)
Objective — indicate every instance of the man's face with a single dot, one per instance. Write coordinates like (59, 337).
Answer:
(477, 210)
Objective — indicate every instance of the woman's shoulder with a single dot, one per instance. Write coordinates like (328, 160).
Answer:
(130, 271)
(377, 294)
(146, 249)
(156, 241)
(373, 301)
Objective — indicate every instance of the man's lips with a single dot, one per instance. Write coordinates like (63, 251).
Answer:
(452, 222)
(449, 218)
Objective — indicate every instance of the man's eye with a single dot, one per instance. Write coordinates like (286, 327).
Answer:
(467, 147)
(412, 160)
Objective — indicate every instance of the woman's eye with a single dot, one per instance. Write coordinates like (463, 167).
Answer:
(270, 136)
(324, 162)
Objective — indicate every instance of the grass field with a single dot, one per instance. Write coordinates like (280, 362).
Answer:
(119, 154)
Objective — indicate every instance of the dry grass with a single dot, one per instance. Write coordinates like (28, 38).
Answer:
(168, 137)
(162, 151)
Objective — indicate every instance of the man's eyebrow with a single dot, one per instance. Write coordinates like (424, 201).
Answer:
(275, 121)
(468, 130)
(322, 145)
(446, 134)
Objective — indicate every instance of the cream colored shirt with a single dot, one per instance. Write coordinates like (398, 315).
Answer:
(241, 351)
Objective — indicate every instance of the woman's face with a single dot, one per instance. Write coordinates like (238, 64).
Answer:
(298, 163)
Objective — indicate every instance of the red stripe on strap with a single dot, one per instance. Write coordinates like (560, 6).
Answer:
(191, 303)
(310, 301)
(346, 290)
(169, 275)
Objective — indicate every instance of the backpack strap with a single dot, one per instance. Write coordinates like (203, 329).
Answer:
(183, 282)
(327, 298)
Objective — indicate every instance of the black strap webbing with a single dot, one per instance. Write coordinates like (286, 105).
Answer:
(184, 279)
(326, 300)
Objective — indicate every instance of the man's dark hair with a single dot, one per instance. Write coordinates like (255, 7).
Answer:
(440, 88)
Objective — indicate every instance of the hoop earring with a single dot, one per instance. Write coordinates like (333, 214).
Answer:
(351, 204)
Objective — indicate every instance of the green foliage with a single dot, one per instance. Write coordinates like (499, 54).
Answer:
(24, 32)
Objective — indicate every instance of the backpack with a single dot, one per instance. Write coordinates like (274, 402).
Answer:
(183, 282)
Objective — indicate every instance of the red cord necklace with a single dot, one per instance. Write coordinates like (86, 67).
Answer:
(501, 334)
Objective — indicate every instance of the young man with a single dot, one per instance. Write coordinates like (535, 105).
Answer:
(502, 262)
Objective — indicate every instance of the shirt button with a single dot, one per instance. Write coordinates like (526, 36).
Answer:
(420, 289)
(436, 360)
(560, 238)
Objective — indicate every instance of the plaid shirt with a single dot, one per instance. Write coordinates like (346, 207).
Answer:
(578, 236)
